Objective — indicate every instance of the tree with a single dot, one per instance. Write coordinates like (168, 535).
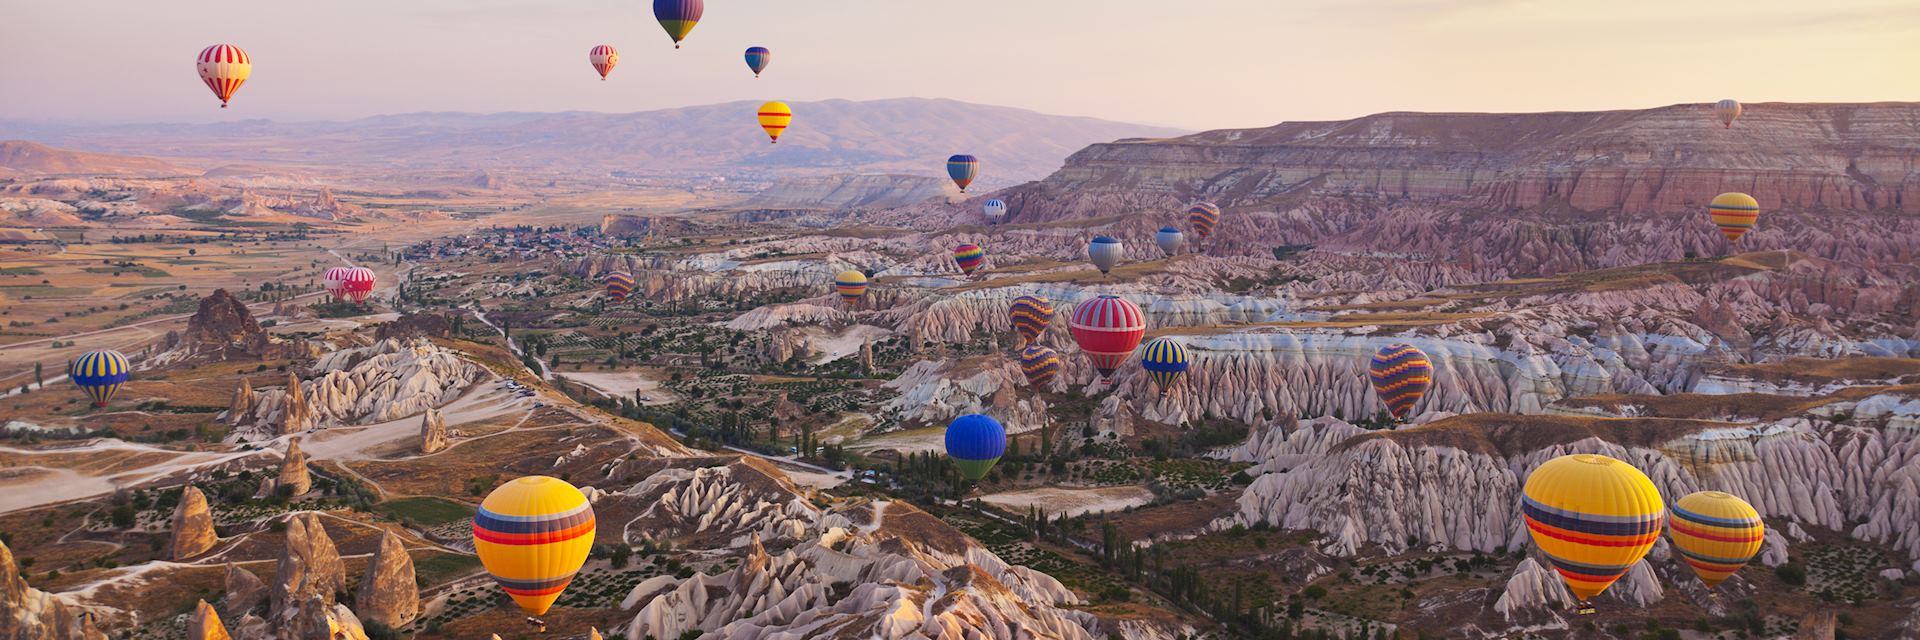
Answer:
(36, 376)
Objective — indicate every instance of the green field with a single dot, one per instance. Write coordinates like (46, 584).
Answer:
(424, 512)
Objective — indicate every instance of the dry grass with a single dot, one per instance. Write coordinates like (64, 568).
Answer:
(1506, 435)
(1828, 370)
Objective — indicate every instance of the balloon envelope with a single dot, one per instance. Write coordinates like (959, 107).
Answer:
(335, 281)
(1108, 328)
(851, 284)
(975, 442)
(1401, 375)
(757, 59)
(1039, 364)
(1203, 216)
(1593, 517)
(1030, 316)
(619, 285)
(1164, 359)
(969, 257)
(358, 285)
(678, 17)
(1727, 111)
(100, 374)
(1716, 533)
(1105, 253)
(774, 118)
(224, 68)
(603, 58)
(995, 210)
(963, 169)
(532, 534)
(1169, 240)
(1734, 214)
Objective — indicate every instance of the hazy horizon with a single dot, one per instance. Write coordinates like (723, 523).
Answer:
(1219, 64)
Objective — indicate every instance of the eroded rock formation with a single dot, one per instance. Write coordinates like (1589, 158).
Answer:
(27, 613)
(389, 380)
(387, 593)
(192, 525)
(433, 432)
(310, 570)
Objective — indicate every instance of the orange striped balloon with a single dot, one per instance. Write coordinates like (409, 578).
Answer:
(224, 68)
(1734, 213)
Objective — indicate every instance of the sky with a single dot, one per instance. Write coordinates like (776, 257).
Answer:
(1196, 64)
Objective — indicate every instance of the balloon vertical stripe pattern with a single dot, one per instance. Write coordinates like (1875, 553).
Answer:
(1105, 253)
(1040, 365)
(603, 58)
(1108, 328)
(1401, 375)
(1030, 316)
(774, 118)
(1169, 240)
(1203, 216)
(533, 533)
(1734, 214)
(1727, 111)
(995, 210)
(1164, 359)
(1593, 517)
(757, 59)
(224, 68)
(1716, 533)
(969, 257)
(963, 169)
(99, 374)
(678, 17)
(335, 281)
(358, 285)
(852, 286)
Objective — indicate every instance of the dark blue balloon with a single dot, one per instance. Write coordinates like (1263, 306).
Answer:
(975, 442)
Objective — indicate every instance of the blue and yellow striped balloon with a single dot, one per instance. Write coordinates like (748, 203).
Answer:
(757, 59)
(100, 374)
(1164, 361)
(1593, 517)
(852, 286)
(533, 533)
(963, 169)
(1030, 316)
(1716, 533)
(1040, 365)
(1401, 376)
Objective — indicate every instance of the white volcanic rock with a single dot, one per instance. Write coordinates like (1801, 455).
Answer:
(389, 380)
(745, 499)
(937, 391)
(778, 315)
(1532, 588)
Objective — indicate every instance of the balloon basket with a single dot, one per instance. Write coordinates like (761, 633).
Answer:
(1584, 608)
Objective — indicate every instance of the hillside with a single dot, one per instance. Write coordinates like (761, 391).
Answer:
(22, 157)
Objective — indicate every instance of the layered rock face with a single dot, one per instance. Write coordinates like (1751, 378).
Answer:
(389, 380)
(192, 525)
(387, 593)
(1546, 192)
(27, 613)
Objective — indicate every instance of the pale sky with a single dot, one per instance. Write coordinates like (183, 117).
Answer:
(1198, 64)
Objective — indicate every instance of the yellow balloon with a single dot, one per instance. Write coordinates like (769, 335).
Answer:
(1593, 517)
(774, 118)
(533, 533)
(1716, 533)
(1734, 213)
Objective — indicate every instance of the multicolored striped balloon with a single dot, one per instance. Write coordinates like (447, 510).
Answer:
(1593, 517)
(1716, 533)
(1105, 253)
(975, 442)
(995, 210)
(619, 286)
(1108, 328)
(963, 169)
(532, 534)
(224, 68)
(852, 286)
(1040, 365)
(358, 285)
(678, 17)
(1203, 215)
(969, 257)
(1164, 359)
(757, 59)
(774, 118)
(1030, 316)
(1734, 213)
(100, 374)
(603, 58)
(1401, 375)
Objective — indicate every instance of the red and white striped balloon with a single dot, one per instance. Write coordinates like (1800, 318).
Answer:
(603, 58)
(359, 284)
(224, 68)
(335, 280)
(1108, 329)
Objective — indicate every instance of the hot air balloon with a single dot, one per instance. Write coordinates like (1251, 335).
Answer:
(1401, 376)
(532, 534)
(774, 117)
(1727, 111)
(1593, 517)
(1107, 328)
(1040, 364)
(1105, 252)
(603, 57)
(1030, 316)
(619, 286)
(678, 17)
(1716, 533)
(852, 286)
(969, 257)
(757, 59)
(1164, 361)
(975, 442)
(358, 285)
(1169, 240)
(995, 210)
(963, 169)
(1734, 213)
(99, 374)
(1203, 215)
(335, 281)
(224, 68)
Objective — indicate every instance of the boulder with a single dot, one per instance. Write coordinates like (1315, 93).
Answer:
(192, 525)
(205, 624)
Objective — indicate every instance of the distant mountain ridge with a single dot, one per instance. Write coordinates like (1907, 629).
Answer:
(906, 135)
(30, 158)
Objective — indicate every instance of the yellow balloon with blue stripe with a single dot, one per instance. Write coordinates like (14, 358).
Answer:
(1716, 533)
(100, 374)
(1593, 517)
(533, 533)
(1164, 359)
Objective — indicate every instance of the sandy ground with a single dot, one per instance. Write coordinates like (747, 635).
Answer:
(814, 479)
(322, 325)
(1072, 502)
(835, 347)
(622, 384)
(28, 485)
(485, 400)
(928, 439)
